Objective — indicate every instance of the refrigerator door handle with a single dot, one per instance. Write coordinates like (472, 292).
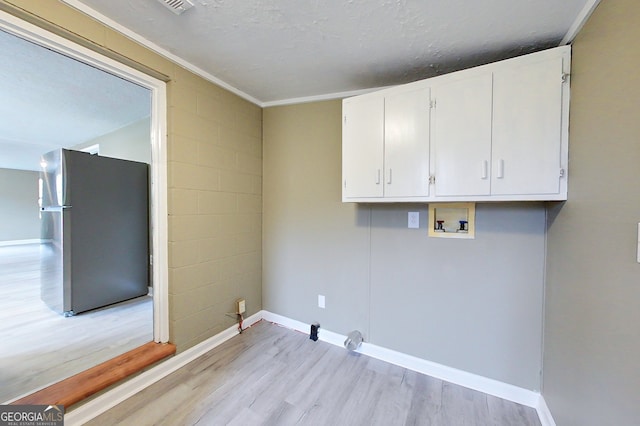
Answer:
(63, 184)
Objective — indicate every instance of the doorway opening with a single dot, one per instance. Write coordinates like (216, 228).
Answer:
(158, 168)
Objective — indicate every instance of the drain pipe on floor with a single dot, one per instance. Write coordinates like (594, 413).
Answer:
(353, 341)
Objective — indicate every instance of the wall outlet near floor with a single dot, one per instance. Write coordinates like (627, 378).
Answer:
(241, 307)
(320, 301)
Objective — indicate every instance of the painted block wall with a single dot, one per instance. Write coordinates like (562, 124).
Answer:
(592, 325)
(475, 305)
(19, 211)
(215, 183)
(215, 207)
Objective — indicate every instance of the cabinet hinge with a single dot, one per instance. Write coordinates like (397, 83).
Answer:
(432, 104)
(432, 179)
(345, 119)
(562, 172)
(345, 183)
(565, 77)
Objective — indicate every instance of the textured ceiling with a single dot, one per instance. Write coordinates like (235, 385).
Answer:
(268, 51)
(49, 101)
(275, 50)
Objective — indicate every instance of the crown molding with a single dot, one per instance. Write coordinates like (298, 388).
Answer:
(581, 19)
(76, 4)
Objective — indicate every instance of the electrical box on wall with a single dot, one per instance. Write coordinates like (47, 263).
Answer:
(452, 220)
(240, 306)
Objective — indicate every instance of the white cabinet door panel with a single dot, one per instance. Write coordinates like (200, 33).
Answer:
(462, 136)
(527, 114)
(406, 144)
(362, 147)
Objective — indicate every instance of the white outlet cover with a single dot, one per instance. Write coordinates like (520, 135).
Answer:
(414, 220)
(320, 301)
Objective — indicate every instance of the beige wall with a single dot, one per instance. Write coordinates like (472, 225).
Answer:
(592, 328)
(19, 218)
(215, 185)
(475, 305)
(313, 243)
(215, 205)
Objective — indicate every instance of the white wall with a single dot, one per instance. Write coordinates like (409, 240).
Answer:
(19, 212)
(132, 142)
(475, 305)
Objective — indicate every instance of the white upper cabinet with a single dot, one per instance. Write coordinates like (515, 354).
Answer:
(385, 145)
(406, 143)
(527, 128)
(498, 132)
(462, 136)
(362, 147)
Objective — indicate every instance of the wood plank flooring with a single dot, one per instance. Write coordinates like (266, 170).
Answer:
(270, 375)
(39, 347)
(89, 382)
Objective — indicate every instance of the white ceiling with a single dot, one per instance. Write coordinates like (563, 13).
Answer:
(50, 101)
(267, 51)
(273, 51)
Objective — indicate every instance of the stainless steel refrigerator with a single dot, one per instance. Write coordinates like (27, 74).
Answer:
(95, 230)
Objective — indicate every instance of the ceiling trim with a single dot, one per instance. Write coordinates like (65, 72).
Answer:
(317, 98)
(157, 49)
(76, 4)
(581, 19)
(575, 28)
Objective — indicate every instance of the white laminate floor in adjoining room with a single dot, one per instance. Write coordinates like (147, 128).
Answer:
(270, 375)
(39, 347)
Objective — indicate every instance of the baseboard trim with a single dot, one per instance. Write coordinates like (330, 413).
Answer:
(459, 377)
(104, 402)
(323, 334)
(439, 371)
(20, 242)
(93, 408)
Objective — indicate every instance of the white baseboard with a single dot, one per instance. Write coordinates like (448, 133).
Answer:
(323, 335)
(452, 375)
(20, 242)
(113, 397)
(102, 403)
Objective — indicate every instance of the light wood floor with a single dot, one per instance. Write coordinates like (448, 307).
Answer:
(270, 375)
(39, 347)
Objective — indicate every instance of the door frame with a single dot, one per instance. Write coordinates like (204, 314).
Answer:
(158, 135)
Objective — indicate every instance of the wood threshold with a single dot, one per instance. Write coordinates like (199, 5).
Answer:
(82, 385)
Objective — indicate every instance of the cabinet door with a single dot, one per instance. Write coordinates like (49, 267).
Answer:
(462, 136)
(527, 119)
(406, 144)
(362, 147)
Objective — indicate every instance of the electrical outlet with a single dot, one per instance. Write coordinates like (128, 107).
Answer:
(240, 306)
(413, 220)
(320, 301)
